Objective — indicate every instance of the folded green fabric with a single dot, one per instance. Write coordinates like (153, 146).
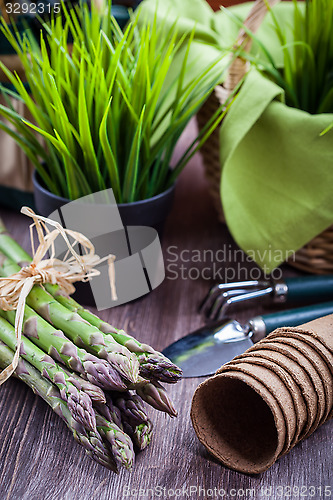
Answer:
(277, 176)
(214, 31)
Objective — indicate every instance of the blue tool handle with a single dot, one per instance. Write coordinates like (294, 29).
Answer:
(318, 288)
(295, 317)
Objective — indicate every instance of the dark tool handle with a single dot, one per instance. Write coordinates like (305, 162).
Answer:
(318, 288)
(295, 317)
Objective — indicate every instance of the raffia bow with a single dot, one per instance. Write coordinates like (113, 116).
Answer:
(74, 267)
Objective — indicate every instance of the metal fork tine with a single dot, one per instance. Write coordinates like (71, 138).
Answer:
(209, 297)
(223, 287)
(220, 299)
(241, 298)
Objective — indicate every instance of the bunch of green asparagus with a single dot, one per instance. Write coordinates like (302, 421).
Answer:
(94, 376)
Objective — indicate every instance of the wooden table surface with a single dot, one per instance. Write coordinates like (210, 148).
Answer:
(38, 456)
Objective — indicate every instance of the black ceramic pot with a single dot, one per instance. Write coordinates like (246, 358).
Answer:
(151, 212)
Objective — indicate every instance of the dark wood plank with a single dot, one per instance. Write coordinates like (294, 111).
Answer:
(38, 456)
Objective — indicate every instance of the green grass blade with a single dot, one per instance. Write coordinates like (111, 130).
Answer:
(132, 167)
(109, 157)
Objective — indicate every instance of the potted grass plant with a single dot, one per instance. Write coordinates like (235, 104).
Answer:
(106, 117)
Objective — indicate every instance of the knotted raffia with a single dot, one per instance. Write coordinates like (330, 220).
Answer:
(74, 267)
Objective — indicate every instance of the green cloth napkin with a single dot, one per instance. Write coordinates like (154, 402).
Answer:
(277, 175)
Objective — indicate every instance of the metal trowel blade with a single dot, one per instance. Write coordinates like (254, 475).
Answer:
(204, 351)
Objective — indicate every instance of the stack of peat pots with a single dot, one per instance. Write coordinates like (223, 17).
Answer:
(258, 406)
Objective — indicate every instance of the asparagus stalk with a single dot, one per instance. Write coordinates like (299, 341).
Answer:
(153, 364)
(156, 396)
(76, 328)
(123, 409)
(79, 403)
(121, 444)
(139, 432)
(95, 447)
(109, 411)
(131, 408)
(90, 440)
(153, 393)
(98, 371)
(93, 391)
(135, 421)
(142, 434)
(88, 387)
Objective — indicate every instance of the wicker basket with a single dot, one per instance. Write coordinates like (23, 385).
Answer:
(317, 255)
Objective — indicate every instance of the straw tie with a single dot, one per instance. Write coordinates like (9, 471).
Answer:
(74, 267)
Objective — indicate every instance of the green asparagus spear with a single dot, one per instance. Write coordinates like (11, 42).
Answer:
(121, 444)
(95, 447)
(98, 371)
(139, 433)
(156, 396)
(131, 407)
(153, 365)
(109, 411)
(79, 403)
(122, 408)
(136, 425)
(90, 440)
(134, 418)
(142, 434)
(93, 391)
(76, 328)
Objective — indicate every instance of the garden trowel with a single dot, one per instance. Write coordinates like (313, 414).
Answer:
(202, 352)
